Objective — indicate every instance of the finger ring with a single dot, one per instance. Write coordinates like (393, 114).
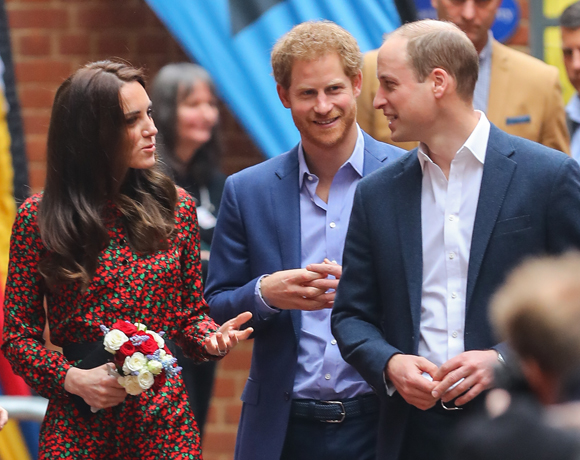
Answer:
(222, 353)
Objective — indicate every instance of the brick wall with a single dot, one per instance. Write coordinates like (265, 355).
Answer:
(50, 40)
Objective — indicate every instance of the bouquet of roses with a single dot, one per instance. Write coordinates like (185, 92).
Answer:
(141, 357)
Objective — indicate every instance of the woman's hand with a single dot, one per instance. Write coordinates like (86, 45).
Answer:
(228, 335)
(3, 417)
(97, 386)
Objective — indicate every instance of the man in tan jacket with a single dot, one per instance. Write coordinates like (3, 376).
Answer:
(519, 94)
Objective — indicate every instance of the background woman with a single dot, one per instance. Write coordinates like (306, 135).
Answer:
(186, 114)
(110, 239)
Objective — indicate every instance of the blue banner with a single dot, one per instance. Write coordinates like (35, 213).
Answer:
(232, 39)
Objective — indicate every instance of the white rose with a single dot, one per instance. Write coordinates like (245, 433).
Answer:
(140, 327)
(134, 363)
(131, 385)
(162, 354)
(145, 379)
(154, 367)
(114, 340)
(158, 338)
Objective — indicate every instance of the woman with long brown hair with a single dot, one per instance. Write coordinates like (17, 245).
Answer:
(110, 239)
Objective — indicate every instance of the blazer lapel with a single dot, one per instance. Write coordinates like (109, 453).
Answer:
(374, 156)
(408, 185)
(285, 197)
(497, 175)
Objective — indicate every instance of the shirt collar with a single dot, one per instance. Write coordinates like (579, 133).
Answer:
(476, 143)
(356, 160)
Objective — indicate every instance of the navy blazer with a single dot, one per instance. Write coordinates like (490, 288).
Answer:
(529, 204)
(257, 233)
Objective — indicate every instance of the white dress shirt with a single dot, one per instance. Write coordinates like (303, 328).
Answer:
(447, 216)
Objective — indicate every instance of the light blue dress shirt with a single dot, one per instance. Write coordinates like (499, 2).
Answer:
(321, 372)
(481, 93)
(573, 112)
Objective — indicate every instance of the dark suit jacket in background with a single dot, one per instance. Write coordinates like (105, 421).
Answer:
(529, 204)
(257, 233)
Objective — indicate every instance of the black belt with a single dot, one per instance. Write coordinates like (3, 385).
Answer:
(93, 354)
(334, 411)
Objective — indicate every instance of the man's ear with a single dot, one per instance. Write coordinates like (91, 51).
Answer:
(357, 83)
(441, 81)
(283, 95)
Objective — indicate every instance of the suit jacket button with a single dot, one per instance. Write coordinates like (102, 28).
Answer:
(286, 396)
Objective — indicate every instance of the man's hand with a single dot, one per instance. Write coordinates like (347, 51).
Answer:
(292, 290)
(326, 269)
(474, 367)
(405, 372)
(96, 386)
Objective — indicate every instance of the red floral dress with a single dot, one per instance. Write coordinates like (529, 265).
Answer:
(163, 291)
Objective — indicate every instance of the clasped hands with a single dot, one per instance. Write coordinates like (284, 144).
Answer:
(463, 377)
(303, 288)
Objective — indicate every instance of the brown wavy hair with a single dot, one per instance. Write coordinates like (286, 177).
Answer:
(87, 170)
(312, 40)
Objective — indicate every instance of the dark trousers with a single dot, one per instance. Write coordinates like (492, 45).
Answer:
(352, 439)
(429, 434)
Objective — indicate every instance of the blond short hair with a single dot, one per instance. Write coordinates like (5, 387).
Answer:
(440, 44)
(312, 40)
(538, 312)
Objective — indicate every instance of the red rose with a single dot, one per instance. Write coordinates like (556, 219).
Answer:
(148, 347)
(127, 349)
(159, 382)
(119, 360)
(127, 328)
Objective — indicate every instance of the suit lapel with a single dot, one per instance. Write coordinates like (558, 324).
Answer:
(408, 184)
(285, 197)
(497, 175)
(498, 88)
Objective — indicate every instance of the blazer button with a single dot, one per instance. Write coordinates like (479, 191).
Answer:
(286, 396)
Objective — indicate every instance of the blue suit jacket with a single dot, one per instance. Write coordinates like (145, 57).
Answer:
(529, 204)
(258, 232)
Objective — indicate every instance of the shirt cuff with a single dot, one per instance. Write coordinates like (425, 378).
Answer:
(264, 310)
(388, 385)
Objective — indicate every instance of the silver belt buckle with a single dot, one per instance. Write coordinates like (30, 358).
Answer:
(342, 412)
(451, 407)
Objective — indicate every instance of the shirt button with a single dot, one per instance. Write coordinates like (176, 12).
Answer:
(453, 295)
(310, 178)
(452, 255)
(333, 341)
(454, 335)
(334, 261)
(124, 261)
(327, 376)
(451, 218)
(332, 225)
